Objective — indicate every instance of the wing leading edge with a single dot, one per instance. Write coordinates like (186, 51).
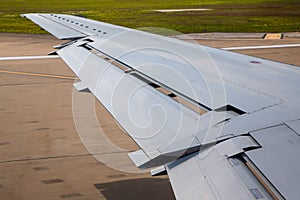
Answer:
(200, 112)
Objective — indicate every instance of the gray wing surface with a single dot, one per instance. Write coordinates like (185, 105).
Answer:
(223, 125)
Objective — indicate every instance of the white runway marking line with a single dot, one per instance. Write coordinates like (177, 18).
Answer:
(27, 57)
(261, 47)
(226, 48)
(182, 10)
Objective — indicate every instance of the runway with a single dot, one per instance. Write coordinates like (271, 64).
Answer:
(41, 154)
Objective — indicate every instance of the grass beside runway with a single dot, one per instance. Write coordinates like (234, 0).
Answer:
(225, 16)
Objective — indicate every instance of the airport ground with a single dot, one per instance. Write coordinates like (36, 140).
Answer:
(41, 154)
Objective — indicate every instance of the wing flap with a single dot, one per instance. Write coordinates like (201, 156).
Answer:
(211, 174)
(278, 159)
(156, 122)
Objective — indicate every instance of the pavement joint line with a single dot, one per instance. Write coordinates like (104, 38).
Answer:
(58, 157)
(28, 84)
(38, 75)
(27, 57)
(261, 47)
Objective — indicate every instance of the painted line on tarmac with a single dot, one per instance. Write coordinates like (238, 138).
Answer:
(27, 57)
(38, 75)
(261, 47)
(182, 10)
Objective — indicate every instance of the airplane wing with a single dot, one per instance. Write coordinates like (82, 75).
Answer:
(221, 124)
